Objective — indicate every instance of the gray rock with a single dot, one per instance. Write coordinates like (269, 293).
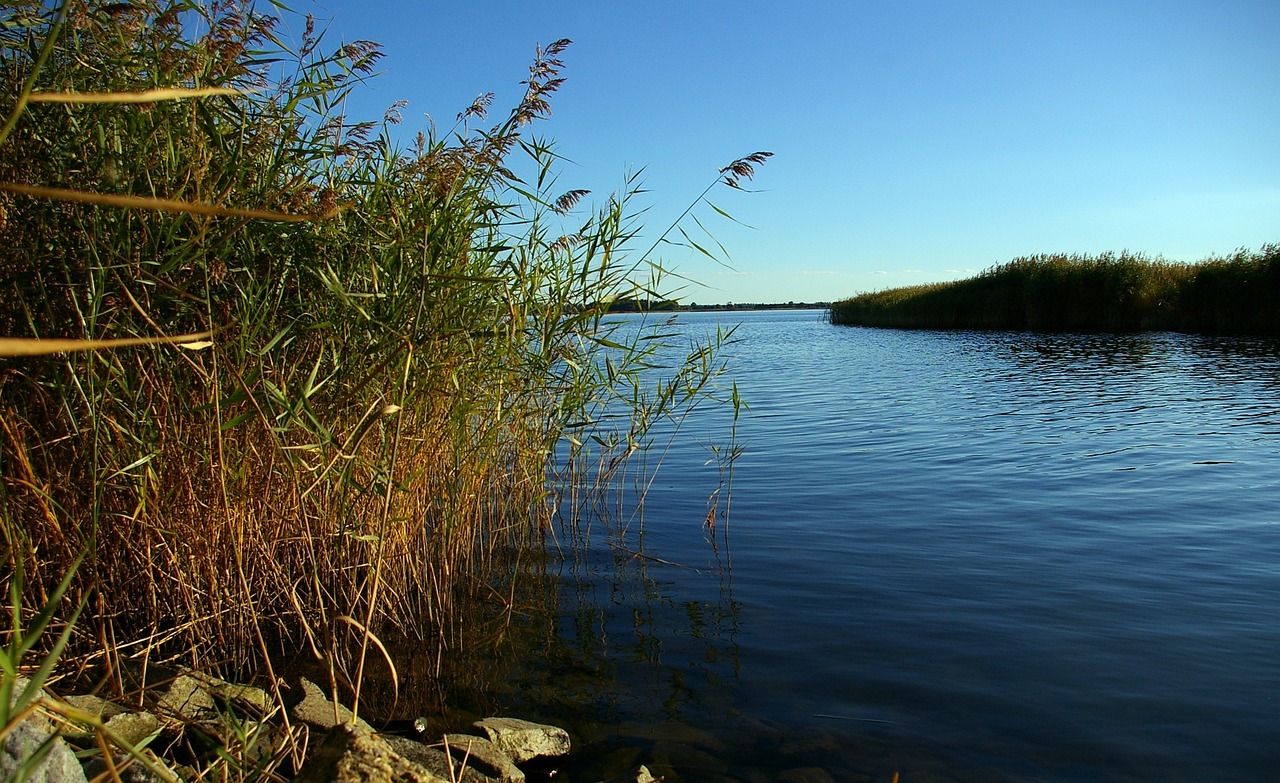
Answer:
(349, 754)
(523, 740)
(435, 760)
(253, 700)
(314, 708)
(256, 740)
(131, 771)
(95, 705)
(483, 756)
(640, 774)
(187, 698)
(34, 743)
(134, 727)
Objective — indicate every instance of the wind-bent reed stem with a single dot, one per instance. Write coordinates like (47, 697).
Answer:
(386, 354)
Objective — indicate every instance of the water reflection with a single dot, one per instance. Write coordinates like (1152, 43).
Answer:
(955, 556)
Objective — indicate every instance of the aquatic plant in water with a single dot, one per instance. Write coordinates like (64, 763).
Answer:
(283, 382)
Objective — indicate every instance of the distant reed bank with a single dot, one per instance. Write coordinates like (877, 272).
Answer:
(1239, 293)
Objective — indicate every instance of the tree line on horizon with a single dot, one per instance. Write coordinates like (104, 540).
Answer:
(1238, 293)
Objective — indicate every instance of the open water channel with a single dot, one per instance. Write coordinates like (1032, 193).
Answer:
(955, 556)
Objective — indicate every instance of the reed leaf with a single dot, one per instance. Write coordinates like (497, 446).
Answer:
(145, 96)
(43, 346)
(409, 340)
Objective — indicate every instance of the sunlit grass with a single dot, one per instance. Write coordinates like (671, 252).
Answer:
(1109, 292)
(284, 383)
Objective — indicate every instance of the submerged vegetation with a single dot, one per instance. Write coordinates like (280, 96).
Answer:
(1239, 293)
(275, 382)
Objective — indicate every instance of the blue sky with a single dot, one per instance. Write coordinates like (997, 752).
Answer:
(913, 141)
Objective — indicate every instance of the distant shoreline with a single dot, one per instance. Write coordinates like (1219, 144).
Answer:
(1128, 292)
(759, 306)
(638, 306)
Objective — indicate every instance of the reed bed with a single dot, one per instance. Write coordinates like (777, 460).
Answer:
(1239, 293)
(311, 384)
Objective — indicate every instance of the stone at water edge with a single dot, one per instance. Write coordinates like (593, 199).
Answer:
(523, 740)
(640, 774)
(484, 756)
(435, 760)
(314, 708)
(350, 755)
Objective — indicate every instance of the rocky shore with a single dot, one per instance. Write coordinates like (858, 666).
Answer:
(195, 721)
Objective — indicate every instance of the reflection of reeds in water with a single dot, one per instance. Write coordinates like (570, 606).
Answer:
(1238, 293)
(381, 347)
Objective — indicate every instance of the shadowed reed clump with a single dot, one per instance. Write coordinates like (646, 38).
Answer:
(356, 360)
(1236, 294)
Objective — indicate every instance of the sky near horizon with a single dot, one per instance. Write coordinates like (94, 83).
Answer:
(913, 141)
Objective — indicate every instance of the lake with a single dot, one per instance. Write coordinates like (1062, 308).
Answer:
(952, 555)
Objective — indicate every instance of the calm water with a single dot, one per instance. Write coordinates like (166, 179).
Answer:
(958, 556)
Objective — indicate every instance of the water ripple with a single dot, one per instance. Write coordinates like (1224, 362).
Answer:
(1052, 555)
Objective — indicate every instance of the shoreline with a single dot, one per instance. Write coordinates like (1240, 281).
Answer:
(201, 722)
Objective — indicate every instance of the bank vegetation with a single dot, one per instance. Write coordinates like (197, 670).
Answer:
(1238, 293)
(276, 382)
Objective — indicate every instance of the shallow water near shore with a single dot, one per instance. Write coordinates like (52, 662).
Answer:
(954, 555)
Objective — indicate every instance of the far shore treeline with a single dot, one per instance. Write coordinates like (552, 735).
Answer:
(627, 305)
(1238, 294)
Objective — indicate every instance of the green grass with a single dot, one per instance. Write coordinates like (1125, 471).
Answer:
(313, 381)
(1239, 293)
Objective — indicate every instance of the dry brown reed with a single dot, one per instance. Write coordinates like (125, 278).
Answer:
(393, 343)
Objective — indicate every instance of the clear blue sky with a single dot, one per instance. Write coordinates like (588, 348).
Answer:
(913, 141)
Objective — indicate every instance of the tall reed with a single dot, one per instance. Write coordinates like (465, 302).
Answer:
(389, 342)
(1109, 292)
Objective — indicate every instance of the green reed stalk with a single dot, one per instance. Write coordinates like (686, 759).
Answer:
(352, 362)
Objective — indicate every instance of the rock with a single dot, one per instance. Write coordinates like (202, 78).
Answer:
(315, 709)
(131, 771)
(134, 727)
(604, 760)
(35, 738)
(482, 755)
(523, 740)
(263, 739)
(187, 698)
(435, 760)
(640, 774)
(95, 705)
(349, 754)
(255, 701)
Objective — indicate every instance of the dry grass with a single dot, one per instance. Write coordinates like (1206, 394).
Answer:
(391, 342)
